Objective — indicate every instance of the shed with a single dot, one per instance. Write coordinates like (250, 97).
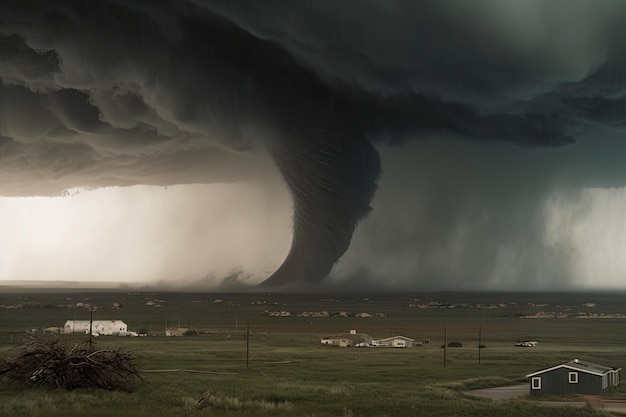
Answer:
(395, 341)
(574, 377)
(99, 327)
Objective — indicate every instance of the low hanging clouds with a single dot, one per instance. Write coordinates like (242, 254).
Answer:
(455, 132)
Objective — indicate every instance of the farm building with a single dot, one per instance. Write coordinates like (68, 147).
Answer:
(99, 327)
(395, 341)
(348, 340)
(573, 377)
(175, 331)
(365, 340)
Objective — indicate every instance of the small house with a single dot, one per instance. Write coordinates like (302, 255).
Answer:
(574, 377)
(98, 327)
(395, 341)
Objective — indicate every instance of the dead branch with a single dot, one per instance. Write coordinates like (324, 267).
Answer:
(51, 363)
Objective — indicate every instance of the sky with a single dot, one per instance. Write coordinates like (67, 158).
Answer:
(433, 145)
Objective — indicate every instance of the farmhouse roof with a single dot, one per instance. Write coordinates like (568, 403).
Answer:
(396, 337)
(355, 338)
(578, 365)
(94, 321)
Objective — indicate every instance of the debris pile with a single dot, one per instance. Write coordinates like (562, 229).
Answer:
(51, 363)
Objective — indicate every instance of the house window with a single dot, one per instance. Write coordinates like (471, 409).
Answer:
(573, 377)
(536, 382)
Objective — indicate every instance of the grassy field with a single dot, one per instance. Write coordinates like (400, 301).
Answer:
(287, 372)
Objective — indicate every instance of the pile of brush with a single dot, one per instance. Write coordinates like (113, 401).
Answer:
(54, 364)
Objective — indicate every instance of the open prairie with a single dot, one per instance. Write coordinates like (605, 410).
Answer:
(282, 369)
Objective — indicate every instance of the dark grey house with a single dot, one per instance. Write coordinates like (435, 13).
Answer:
(573, 377)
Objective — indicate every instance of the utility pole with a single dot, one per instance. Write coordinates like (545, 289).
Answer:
(480, 341)
(248, 346)
(445, 344)
(91, 310)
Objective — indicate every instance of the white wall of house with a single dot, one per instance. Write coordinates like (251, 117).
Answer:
(337, 341)
(100, 327)
(396, 341)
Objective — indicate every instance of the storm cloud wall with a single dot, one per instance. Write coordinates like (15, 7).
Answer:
(110, 93)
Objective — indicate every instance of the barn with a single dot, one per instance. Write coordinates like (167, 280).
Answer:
(574, 377)
(99, 327)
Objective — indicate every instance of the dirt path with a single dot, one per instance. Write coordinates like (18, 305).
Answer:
(516, 391)
(615, 407)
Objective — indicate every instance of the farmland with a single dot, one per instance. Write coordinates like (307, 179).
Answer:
(282, 369)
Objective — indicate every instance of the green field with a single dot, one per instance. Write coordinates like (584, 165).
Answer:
(284, 370)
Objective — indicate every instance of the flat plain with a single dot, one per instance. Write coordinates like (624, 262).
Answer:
(282, 369)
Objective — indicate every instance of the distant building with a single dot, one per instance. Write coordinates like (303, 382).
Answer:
(98, 327)
(395, 341)
(527, 343)
(364, 340)
(175, 331)
(349, 340)
(574, 377)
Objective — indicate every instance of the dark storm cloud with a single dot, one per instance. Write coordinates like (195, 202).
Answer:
(485, 53)
(473, 217)
(120, 93)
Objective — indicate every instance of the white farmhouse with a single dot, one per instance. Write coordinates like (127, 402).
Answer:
(395, 341)
(99, 327)
(362, 339)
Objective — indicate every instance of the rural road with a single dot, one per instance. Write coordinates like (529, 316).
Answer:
(516, 391)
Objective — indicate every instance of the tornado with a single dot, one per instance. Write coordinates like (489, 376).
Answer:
(332, 178)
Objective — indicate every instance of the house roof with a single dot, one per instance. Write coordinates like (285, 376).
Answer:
(578, 365)
(396, 337)
(80, 322)
(355, 338)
